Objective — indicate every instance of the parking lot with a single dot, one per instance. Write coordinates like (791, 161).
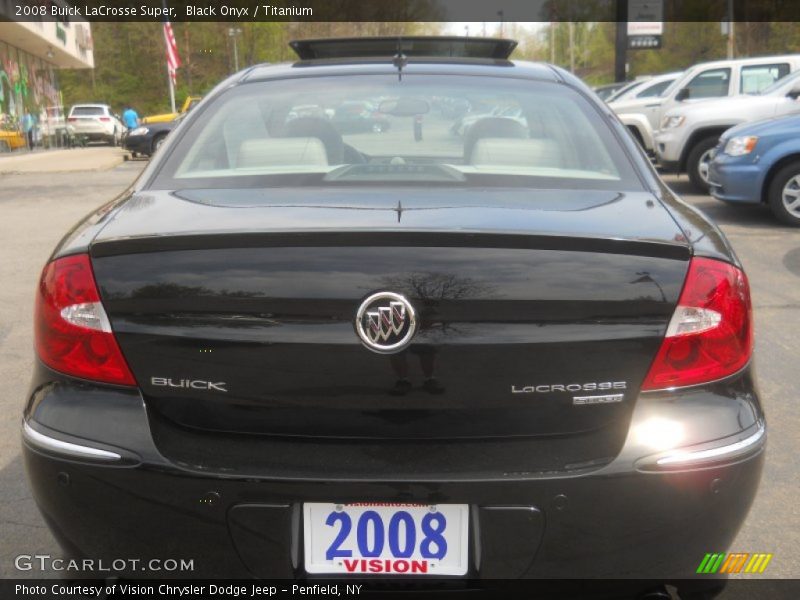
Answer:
(38, 209)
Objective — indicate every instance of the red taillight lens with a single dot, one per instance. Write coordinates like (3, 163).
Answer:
(73, 334)
(105, 119)
(72, 119)
(710, 335)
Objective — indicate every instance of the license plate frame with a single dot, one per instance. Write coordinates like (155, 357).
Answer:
(328, 539)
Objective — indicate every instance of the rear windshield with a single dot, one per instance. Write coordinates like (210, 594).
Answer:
(87, 111)
(382, 130)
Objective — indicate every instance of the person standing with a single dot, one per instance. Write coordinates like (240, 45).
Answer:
(27, 128)
(130, 118)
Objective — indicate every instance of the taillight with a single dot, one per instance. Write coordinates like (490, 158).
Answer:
(72, 119)
(73, 334)
(710, 335)
(105, 119)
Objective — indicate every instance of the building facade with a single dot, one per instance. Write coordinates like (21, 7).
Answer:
(32, 49)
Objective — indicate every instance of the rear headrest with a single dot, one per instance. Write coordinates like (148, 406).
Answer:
(274, 152)
(491, 127)
(540, 152)
(322, 130)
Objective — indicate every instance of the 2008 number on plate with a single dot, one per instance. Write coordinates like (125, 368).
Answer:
(406, 539)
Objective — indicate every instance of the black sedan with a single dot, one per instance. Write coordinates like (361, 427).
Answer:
(293, 352)
(145, 140)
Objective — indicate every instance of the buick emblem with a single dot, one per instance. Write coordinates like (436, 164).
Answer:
(386, 322)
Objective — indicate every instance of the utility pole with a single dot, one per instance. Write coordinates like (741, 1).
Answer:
(731, 32)
(552, 42)
(233, 33)
(188, 54)
(502, 22)
(621, 42)
(571, 27)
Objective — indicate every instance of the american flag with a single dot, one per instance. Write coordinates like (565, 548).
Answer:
(173, 60)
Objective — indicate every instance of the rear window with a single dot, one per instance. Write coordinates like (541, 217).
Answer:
(756, 78)
(379, 130)
(87, 111)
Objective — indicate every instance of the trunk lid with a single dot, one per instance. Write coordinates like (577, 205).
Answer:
(235, 309)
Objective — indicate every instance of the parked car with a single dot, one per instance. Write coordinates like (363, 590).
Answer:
(96, 122)
(759, 163)
(690, 133)
(638, 107)
(287, 351)
(706, 81)
(11, 138)
(147, 139)
(606, 91)
(627, 89)
(53, 125)
(188, 104)
(359, 117)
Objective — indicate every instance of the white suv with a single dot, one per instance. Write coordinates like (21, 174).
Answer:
(690, 133)
(701, 82)
(636, 107)
(96, 122)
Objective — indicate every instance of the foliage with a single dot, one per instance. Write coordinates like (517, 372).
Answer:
(130, 67)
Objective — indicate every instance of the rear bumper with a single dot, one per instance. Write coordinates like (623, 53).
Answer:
(632, 517)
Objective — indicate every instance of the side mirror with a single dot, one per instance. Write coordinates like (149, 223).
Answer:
(794, 94)
(682, 94)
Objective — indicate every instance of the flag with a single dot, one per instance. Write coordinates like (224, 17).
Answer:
(173, 60)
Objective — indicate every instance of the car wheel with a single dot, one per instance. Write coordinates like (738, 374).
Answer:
(784, 194)
(157, 143)
(698, 162)
(4, 147)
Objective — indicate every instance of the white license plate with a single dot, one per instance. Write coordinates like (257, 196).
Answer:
(397, 539)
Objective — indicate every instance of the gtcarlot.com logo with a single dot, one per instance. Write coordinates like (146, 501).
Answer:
(734, 562)
(45, 562)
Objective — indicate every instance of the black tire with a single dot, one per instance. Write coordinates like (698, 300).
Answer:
(156, 143)
(693, 163)
(780, 194)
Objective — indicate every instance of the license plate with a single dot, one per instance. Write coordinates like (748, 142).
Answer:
(397, 539)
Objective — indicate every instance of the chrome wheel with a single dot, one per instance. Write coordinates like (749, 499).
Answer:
(790, 196)
(704, 164)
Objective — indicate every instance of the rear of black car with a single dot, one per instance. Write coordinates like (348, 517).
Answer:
(301, 351)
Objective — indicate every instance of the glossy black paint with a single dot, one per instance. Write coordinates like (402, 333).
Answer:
(146, 144)
(562, 283)
(610, 519)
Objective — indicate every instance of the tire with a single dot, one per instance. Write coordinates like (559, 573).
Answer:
(156, 144)
(783, 195)
(4, 147)
(697, 163)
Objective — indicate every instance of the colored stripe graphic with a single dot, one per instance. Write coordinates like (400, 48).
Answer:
(719, 562)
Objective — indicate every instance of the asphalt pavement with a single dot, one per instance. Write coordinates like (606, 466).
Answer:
(36, 211)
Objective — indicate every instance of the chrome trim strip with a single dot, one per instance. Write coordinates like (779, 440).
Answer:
(60, 447)
(722, 452)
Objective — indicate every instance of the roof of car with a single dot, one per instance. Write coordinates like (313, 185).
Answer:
(418, 65)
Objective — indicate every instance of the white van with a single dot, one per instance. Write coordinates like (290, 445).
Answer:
(702, 82)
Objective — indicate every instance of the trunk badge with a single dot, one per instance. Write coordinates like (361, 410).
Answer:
(386, 322)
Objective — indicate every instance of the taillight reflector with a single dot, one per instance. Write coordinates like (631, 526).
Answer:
(73, 333)
(710, 335)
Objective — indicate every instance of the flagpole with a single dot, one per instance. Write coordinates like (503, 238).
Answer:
(171, 89)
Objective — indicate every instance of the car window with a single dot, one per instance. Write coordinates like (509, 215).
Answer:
(655, 89)
(782, 85)
(712, 83)
(755, 78)
(378, 129)
(87, 111)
